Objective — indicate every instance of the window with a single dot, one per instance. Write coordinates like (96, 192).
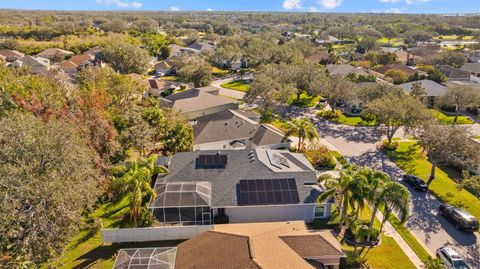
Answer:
(319, 212)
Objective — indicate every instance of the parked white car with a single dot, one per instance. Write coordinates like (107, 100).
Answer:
(451, 259)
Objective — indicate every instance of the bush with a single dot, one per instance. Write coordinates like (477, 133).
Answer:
(145, 218)
(267, 117)
(367, 117)
(390, 146)
(330, 115)
(319, 156)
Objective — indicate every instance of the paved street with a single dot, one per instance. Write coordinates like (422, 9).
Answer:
(227, 92)
(358, 145)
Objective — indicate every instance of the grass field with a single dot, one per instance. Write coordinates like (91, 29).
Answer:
(393, 41)
(409, 157)
(447, 119)
(305, 100)
(237, 85)
(453, 37)
(355, 121)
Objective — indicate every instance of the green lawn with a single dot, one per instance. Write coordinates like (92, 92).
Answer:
(385, 255)
(447, 119)
(305, 100)
(340, 158)
(355, 121)
(280, 124)
(85, 249)
(409, 157)
(237, 85)
(219, 72)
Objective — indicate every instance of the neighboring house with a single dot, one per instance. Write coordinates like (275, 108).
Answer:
(202, 47)
(277, 245)
(94, 51)
(474, 70)
(199, 102)
(230, 129)
(453, 73)
(329, 40)
(432, 89)
(344, 70)
(237, 186)
(385, 68)
(54, 54)
(11, 55)
(157, 86)
(36, 65)
(407, 58)
(164, 68)
(320, 57)
(177, 51)
(239, 64)
(76, 63)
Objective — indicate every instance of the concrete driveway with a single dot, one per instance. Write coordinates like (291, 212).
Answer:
(359, 146)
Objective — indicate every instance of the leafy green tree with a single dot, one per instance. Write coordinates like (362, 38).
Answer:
(48, 179)
(126, 58)
(453, 58)
(397, 76)
(460, 97)
(437, 76)
(417, 90)
(395, 110)
(197, 71)
(135, 184)
(434, 263)
(304, 129)
(337, 88)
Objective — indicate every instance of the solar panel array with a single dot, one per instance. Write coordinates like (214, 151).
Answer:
(268, 192)
(211, 161)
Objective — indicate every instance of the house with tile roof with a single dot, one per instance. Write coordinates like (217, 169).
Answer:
(10, 55)
(54, 54)
(76, 63)
(345, 69)
(199, 102)
(237, 186)
(233, 129)
(36, 65)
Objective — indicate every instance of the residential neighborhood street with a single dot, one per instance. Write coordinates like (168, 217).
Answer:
(358, 145)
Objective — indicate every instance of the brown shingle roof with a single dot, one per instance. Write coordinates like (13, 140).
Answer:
(81, 59)
(212, 250)
(311, 245)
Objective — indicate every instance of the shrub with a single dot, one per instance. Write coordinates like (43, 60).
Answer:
(319, 155)
(145, 218)
(390, 146)
(267, 117)
(367, 117)
(330, 115)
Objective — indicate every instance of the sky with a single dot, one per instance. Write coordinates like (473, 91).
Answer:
(377, 6)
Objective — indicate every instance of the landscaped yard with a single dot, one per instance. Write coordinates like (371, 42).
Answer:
(219, 72)
(447, 119)
(409, 157)
(85, 249)
(305, 100)
(237, 85)
(355, 121)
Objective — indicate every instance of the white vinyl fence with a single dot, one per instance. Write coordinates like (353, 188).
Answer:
(152, 233)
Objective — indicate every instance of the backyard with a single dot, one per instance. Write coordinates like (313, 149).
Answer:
(410, 158)
(237, 85)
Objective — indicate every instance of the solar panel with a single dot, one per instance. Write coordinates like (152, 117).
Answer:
(268, 192)
(211, 161)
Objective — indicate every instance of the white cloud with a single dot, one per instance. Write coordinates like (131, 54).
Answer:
(174, 8)
(292, 4)
(393, 10)
(329, 4)
(414, 1)
(209, 9)
(389, 1)
(120, 3)
(312, 9)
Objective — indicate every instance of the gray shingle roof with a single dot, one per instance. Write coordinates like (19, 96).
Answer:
(432, 88)
(471, 67)
(195, 99)
(241, 166)
(344, 69)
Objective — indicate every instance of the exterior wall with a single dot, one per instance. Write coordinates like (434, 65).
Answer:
(269, 213)
(203, 112)
(152, 233)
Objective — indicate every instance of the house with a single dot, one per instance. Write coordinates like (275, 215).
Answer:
(164, 68)
(94, 51)
(474, 70)
(239, 64)
(11, 55)
(157, 86)
(329, 40)
(235, 129)
(237, 186)
(177, 51)
(202, 47)
(453, 73)
(277, 245)
(345, 69)
(54, 54)
(407, 58)
(432, 89)
(320, 57)
(36, 65)
(402, 67)
(199, 102)
(76, 63)
(474, 56)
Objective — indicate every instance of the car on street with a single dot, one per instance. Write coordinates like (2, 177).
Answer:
(459, 217)
(451, 259)
(415, 182)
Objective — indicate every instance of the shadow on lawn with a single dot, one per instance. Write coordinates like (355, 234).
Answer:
(358, 134)
(108, 252)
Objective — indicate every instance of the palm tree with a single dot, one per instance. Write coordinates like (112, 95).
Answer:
(304, 129)
(136, 184)
(396, 198)
(337, 187)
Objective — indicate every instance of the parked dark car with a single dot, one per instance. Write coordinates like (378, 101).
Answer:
(459, 217)
(415, 182)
